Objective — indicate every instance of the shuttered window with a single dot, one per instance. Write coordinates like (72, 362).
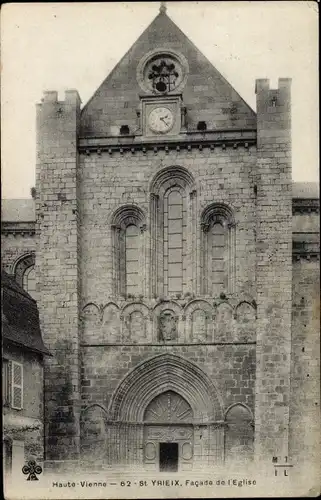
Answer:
(6, 382)
(16, 385)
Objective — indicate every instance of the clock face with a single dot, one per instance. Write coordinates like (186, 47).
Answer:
(161, 120)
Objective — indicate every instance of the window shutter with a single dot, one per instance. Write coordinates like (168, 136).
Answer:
(16, 385)
(6, 382)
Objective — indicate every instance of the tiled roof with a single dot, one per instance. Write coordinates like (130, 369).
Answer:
(305, 190)
(18, 210)
(20, 323)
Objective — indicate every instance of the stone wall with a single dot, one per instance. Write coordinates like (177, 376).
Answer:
(15, 246)
(230, 367)
(305, 365)
(113, 372)
(108, 182)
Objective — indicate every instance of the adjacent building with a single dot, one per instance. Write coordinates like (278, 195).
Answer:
(23, 353)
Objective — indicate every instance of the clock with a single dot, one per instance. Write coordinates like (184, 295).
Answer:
(161, 120)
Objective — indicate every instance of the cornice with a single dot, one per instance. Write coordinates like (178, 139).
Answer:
(186, 141)
(18, 228)
(305, 205)
(308, 250)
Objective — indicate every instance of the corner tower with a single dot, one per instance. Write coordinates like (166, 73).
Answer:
(57, 260)
(273, 268)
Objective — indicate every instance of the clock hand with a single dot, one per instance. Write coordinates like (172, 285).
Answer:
(162, 118)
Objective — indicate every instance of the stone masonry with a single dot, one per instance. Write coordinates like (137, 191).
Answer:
(239, 354)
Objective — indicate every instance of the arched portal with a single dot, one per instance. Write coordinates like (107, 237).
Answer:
(166, 399)
(168, 433)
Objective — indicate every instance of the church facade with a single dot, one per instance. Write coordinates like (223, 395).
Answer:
(175, 265)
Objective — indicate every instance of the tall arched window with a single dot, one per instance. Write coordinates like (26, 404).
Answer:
(128, 226)
(132, 249)
(217, 250)
(172, 232)
(174, 240)
(29, 281)
(25, 274)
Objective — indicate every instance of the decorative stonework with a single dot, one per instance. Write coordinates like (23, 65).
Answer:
(91, 314)
(162, 373)
(111, 323)
(168, 407)
(162, 71)
(169, 321)
(136, 323)
(199, 321)
(224, 323)
(214, 141)
(18, 229)
(245, 316)
(21, 265)
(167, 326)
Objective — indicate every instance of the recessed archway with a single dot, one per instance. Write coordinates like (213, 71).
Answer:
(166, 372)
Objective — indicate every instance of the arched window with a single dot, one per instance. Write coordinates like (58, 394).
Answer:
(172, 232)
(128, 226)
(25, 274)
(132, 249)
(29, 281)
(217, 250)
(174, 240)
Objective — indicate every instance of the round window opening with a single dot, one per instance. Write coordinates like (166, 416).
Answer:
(162, 72)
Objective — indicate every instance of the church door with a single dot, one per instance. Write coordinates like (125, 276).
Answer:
(168, 434)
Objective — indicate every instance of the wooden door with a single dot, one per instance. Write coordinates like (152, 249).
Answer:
(168, 419)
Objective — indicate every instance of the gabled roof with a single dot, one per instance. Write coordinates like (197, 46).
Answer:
(207, 95)
(20, 321)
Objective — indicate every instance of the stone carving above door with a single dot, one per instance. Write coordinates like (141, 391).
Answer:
(168, 407)
(169, 433)
(167, 326)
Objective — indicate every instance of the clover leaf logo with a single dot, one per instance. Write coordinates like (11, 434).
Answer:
(32, 469)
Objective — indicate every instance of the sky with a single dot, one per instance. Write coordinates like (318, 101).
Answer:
(58, 46)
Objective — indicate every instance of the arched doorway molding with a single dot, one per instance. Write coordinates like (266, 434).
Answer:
(165, 372)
